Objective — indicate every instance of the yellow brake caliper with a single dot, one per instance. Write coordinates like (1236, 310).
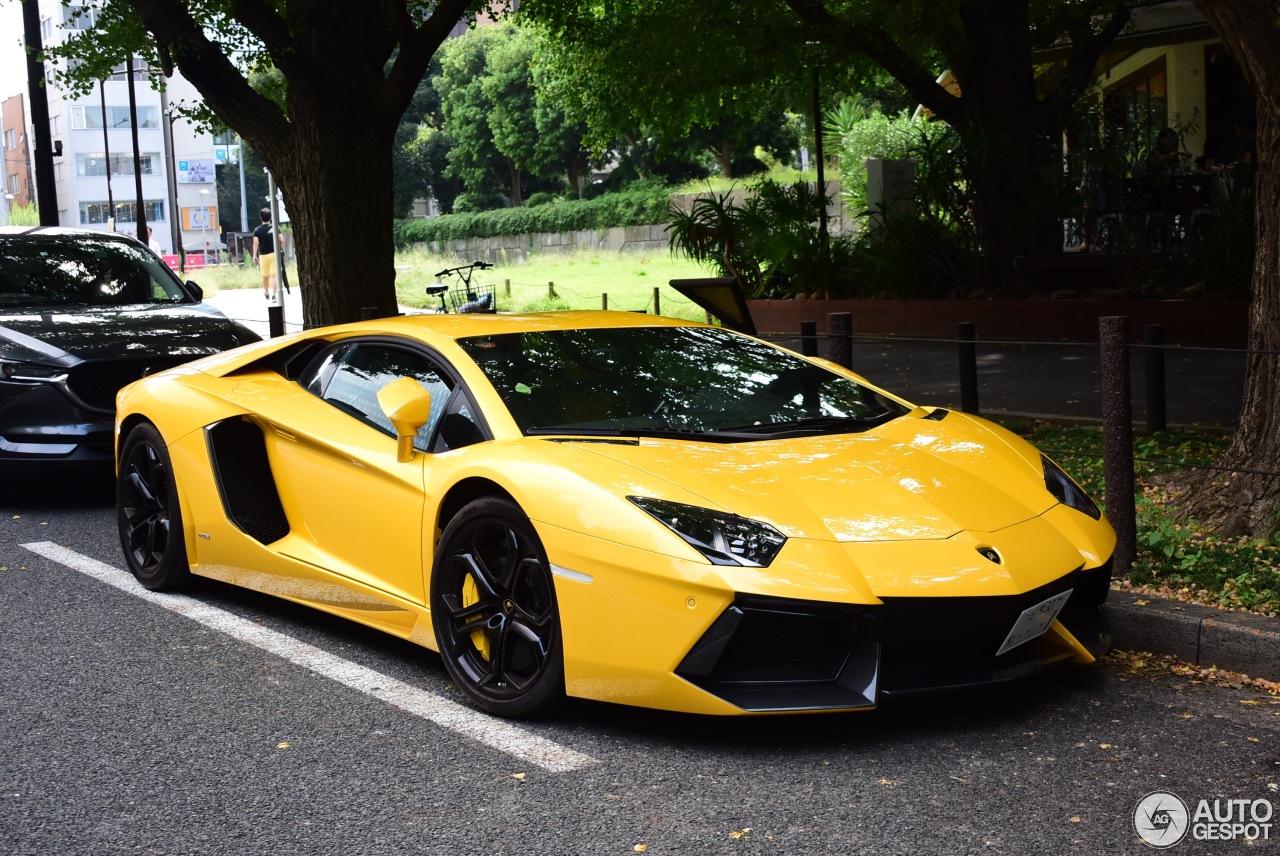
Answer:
(471, 596)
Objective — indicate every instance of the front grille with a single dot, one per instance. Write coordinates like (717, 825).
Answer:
(95, 384)
(941, 631)
(935, 643)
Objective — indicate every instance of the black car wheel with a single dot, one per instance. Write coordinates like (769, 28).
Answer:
(494, 609)
(147, 512)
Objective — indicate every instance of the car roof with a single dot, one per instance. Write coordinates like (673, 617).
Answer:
(466, 325)
(442, 331)
(61, 232)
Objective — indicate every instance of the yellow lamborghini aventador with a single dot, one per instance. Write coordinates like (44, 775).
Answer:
(616, 507)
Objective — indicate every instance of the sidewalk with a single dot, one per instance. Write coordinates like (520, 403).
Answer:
(1235, 641)
(249, 307)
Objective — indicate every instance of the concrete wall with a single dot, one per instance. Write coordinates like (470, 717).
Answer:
(515, 248)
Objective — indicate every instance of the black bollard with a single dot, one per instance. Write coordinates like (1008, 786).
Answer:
(1153, 338)
(275, 320)
(968, 353)
(809, 338)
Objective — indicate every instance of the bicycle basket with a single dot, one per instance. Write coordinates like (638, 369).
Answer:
(478, 298)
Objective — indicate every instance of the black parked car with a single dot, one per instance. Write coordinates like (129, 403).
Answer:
(82, 314)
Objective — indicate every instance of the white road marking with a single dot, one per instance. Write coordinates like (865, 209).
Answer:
(498, 734)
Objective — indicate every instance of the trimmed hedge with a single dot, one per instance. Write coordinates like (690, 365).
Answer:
(637, 207)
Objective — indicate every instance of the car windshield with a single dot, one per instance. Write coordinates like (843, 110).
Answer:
(82, 270)
(670, 381)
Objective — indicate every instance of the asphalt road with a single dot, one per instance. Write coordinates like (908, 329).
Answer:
(240, 724)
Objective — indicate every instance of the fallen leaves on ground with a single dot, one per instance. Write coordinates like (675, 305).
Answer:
(1156, 665)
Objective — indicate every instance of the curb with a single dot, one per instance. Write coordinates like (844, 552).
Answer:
(1235, 641)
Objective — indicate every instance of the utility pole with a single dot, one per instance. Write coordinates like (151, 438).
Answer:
(46, 190)
(106, 153)
(140, 218)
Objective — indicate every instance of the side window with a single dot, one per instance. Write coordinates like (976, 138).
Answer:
(350, 379)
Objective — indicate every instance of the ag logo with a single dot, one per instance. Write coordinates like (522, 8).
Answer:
(1161, 819)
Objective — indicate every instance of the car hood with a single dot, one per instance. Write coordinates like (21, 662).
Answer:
(68, 335)
(910, 479)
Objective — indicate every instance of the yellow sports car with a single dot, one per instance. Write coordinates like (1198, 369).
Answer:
(614, 506)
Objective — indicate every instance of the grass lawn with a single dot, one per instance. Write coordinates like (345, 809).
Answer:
(580, 279)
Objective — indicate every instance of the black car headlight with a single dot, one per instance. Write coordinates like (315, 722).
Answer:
(1066, 491)
(725, 539)
(17, 372)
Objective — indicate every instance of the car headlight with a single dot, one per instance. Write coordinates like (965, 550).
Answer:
(1066, 491)
(31, 372)
(725, 539)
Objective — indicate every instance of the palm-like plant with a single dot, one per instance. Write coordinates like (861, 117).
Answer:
(769, 242)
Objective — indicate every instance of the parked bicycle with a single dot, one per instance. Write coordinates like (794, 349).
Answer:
(470, 297)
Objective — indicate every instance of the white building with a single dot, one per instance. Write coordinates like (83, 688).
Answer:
(95, 133)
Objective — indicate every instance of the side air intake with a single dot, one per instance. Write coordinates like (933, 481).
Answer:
(242, 470)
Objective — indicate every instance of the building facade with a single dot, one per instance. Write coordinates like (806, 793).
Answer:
(17, 155)
(96, 172)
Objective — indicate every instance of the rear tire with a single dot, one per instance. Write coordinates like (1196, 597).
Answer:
(494, 609)
(147, 512)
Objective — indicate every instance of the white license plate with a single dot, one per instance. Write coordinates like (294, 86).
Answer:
(1034, 621)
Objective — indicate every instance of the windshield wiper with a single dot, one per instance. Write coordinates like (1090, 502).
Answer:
(813, 425)
(657, 432)
(569, 430)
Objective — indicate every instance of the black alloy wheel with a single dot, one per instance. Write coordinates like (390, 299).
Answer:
(494, 609)
(147, 512)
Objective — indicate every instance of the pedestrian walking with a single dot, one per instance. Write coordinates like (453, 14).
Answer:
(264, 254)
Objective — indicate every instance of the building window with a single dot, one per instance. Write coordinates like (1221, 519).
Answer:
(95, 163)
(78, 17)
(10, 139)
(140, 72)
(90, 118)
(13, 184)
(97, 213)
(1137, 108)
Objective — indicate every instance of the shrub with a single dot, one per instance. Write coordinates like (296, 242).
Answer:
(642, 205)
(539, 198)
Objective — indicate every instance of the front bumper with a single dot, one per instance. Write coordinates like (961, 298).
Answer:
(40, 427)
(773, 655)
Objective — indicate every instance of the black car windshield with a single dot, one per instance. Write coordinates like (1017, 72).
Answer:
(674, 381)
(44, 270)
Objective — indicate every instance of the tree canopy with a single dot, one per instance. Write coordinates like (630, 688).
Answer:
(350, 70)
(677, 63)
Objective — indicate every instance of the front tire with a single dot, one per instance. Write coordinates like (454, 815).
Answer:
(494, 609)
(147, 512)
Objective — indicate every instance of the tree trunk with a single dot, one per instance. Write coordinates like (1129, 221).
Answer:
(1001, 122)
(337, 187)
(515, 196)
(571, 173)
(1244, 500)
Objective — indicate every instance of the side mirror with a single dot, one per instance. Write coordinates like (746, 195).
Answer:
(195, 290)
(408, 405)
